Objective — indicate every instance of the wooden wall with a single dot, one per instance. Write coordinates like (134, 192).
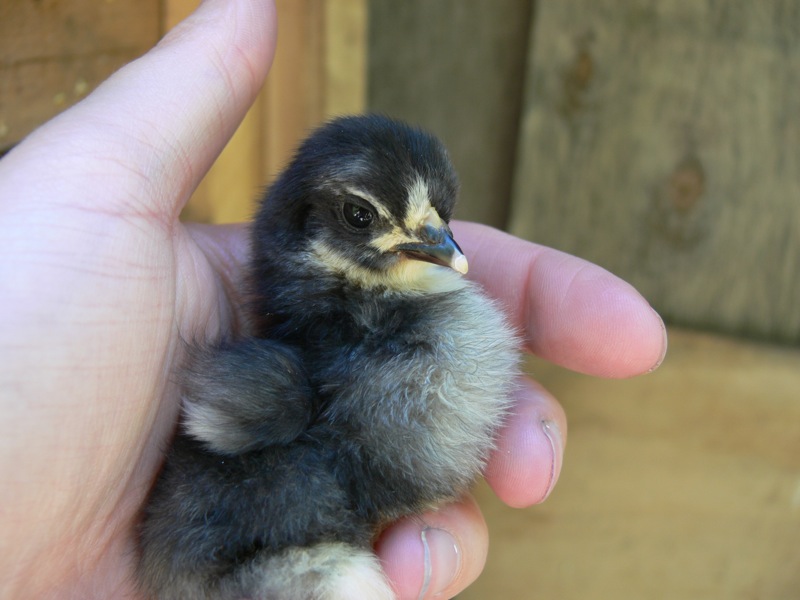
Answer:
(319, 72)
(53, 53)
(662, 141)
(659, 140)
(455, 67)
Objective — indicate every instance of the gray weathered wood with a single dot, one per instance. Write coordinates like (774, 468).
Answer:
(455, 67)
(662, 140)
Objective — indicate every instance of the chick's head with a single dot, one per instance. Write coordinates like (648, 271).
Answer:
(368, 199)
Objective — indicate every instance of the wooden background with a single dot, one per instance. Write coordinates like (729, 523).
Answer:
(454, 67)
(319, 71)
(662, 141)
(53, 53)
(659, 139)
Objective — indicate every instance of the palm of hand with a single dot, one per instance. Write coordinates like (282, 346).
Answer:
(104, 295)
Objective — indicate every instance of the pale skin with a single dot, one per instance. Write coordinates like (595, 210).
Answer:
(101, 285)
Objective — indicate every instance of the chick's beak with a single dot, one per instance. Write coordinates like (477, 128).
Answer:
(436, 246)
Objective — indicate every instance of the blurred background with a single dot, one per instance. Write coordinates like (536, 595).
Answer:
(659, 139)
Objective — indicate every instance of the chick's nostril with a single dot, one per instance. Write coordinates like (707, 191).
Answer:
(433, 235)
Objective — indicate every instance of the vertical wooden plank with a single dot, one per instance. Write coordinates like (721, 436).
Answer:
(294, 100)
(345, 56)
(661, 140)
(176, 11)
(226, 193)
(319, 71)
(456, 68)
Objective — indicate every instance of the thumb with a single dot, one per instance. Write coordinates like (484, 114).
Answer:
(157, 124)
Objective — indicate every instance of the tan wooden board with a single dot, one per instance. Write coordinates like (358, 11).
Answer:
(54, 53)
(319, 71)
(682, 484)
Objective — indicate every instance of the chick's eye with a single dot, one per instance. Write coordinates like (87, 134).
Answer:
(358, 216)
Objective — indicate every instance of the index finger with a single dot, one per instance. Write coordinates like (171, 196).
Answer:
(570, 311)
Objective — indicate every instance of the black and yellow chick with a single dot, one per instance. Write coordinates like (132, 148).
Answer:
(372, 386)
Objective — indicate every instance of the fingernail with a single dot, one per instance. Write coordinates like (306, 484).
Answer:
(442, 561)
(553, 434)
(664, 343)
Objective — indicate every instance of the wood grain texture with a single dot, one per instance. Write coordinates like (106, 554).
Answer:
(456, 68)
(345, 56)
(54, 53)
(227, 192)
(684, 483)
(661, 140)
(319, 71)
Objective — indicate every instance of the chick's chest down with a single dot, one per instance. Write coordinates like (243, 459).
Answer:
(416, 386)
(372, 385)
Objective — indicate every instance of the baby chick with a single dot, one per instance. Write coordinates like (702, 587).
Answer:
(371, 387)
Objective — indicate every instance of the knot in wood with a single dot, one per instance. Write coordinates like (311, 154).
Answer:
(686, 185)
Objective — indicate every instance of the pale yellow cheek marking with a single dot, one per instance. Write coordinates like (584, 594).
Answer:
(425, 277)
(406, 275)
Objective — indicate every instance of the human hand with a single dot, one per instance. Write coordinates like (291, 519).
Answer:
(568, 311)
(101, 284)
